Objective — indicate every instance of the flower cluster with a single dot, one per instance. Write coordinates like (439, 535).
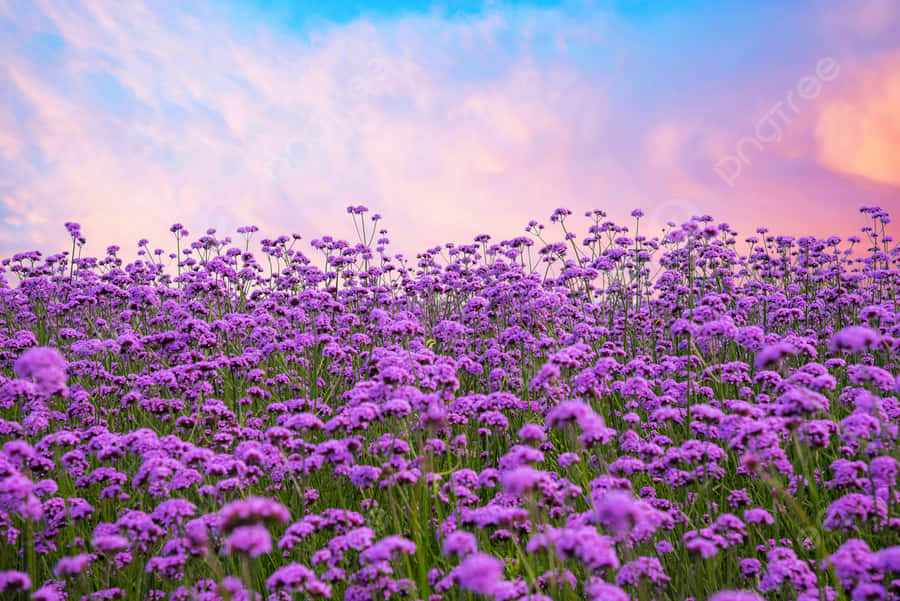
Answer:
(612, 418)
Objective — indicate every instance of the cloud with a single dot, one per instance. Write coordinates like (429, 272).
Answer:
(863, 17)
(212, 124)
(129, 116)
(859, 131)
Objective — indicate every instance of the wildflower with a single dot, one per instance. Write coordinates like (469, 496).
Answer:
(296, 577)
(71, 566)
(784, 567)
(364, 476)
(642, 567)
(594, 550)
(619, 512)
(480, 573)
(567, 459)
(736, 596)
(110, 543)
(252, 510)
(599, 590)
(251, 540)
(521, 480)
(855, 339)
(868, 591)
(460, 543)
(13, 580)
(750, 566)
(757, 515)
(50, 592)
(385, 549)
(845, 512)
(173, 511)
(532, 433)
(704, 542)
(852, 561)
(888, 560)
(46, 366)
(772, 355)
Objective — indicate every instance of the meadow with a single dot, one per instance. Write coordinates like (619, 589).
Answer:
(601, 414)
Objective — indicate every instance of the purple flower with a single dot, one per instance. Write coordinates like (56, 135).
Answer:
(785, 567)
(855, 339)
(71, 566)
(322, 364)
(884, 471)
(12, 581)
(521, 480)
(642, 567)
(593, 428)
(706, 544)
(736, 596)
(532, 433)
(50, 592)
(567, 459)
(750, 566)
(888, 560)
(296, 577)
(868, 591)
(173, 511)
(252, 510)
(663, 547)
(593, 549)
(364, 476)
(847, 511)
(460, 543)
(480, 573)
(600, 590)
(110, 543)
(801, 402)
(568, 412)
(16, 495)
(45, 488)
(196, 535)
(46, 366)
(385, 549)
(758, 515)
(772, 355)
(251, 540)
(852, 562)
(619, 512)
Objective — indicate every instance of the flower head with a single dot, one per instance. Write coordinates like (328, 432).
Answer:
(480, 573)
(46, 366)
(251, 540)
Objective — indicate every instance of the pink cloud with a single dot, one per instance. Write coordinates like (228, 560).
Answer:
(859, 131)
(232, 125)
(862, 17)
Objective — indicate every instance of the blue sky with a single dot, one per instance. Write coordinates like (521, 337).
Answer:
(305, 15)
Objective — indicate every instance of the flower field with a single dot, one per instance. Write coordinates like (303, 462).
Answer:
(594, 414)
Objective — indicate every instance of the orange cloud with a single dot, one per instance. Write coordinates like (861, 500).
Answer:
(858, 132)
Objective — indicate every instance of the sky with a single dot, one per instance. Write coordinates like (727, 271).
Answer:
(449, 119)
